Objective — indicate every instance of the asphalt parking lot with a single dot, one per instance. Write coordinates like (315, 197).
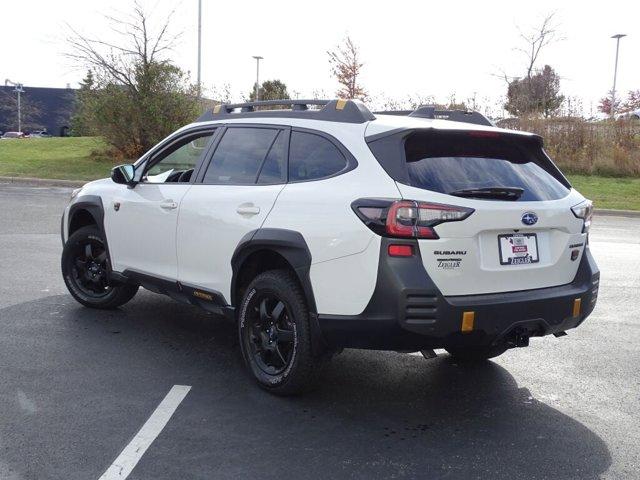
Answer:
(77, 385)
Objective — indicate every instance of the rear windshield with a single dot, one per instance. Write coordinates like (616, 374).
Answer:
(454, 161)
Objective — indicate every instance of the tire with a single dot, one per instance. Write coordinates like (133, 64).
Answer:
(85, 271)
(275, 334)
(476, 354)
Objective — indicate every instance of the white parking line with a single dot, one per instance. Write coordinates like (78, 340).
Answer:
(132, 453)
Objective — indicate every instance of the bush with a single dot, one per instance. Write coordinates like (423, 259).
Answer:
(578, 146)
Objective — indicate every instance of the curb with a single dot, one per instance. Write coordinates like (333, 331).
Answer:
(50, 182)
(44, 182)
(607, 212)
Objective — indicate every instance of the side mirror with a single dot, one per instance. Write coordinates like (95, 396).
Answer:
(123, 174)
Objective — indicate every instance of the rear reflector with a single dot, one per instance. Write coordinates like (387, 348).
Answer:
(577, 303)
(467, 322)
(400, 250)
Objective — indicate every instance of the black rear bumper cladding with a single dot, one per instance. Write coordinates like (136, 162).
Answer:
(407, 311)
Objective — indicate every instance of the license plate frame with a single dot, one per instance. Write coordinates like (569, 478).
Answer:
(524, 257)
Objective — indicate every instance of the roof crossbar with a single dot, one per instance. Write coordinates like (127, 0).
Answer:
(347, 111)
(429, 111)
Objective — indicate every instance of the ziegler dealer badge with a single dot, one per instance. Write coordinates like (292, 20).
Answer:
(450, 258)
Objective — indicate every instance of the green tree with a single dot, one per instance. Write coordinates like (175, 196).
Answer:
(537, 94)
(135, 95)
(83, 119)
(271, 90)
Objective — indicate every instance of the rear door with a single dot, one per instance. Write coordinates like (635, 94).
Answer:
(522, 233)
(232, 196)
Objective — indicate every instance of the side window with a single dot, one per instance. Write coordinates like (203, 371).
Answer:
(312, 156)
(239, 155)
(176, 164)
(274, 169)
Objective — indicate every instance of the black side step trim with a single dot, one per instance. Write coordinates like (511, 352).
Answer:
(209, 300)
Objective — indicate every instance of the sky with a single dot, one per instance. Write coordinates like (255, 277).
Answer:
(417, 48)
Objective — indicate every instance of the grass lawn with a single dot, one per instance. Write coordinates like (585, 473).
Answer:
(81, 158)
(609, 192)
(71, 158)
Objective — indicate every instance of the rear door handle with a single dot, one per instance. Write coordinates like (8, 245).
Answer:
(248, 209)
(169, 205)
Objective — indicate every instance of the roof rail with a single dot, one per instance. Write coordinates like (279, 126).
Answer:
(429, 111)
(347, 111)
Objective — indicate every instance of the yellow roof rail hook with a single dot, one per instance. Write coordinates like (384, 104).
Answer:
(340, 104)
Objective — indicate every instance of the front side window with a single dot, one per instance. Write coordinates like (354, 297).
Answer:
(312, 157)
(176, 163)
(240, 155)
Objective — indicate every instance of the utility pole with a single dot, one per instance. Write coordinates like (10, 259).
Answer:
(19, 90)
(615, 74)
(258, 58)
(199, 47)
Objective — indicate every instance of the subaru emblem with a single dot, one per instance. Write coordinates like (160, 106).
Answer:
(529, 218)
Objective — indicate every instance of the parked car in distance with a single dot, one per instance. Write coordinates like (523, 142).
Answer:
(632, 115)
(8, 135)
(40, 134)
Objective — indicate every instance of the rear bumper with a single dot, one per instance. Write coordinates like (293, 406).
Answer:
(407, 311)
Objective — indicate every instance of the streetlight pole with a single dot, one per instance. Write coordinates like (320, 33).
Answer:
(258, 58)
(615, 74)
(199, 46)
(19, 90)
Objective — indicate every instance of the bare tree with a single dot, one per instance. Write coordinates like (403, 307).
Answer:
(536, 39)
(538, 91)
(138, 46)
(346, 66)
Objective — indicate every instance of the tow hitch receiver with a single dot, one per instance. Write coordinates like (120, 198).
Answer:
(519, 337)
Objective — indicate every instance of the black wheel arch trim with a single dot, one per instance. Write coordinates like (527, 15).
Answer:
(92, 204)
(290, 244)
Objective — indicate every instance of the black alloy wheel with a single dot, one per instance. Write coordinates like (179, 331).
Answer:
(89, 269)
(275, 334)
(270, 334)
(85, 270)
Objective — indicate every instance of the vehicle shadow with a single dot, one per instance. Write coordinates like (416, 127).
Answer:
(375, 414)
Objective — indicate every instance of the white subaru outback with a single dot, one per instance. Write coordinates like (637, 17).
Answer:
(325, 226)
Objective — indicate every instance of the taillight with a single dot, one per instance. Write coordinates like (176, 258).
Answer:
(584, 211)
(407, 218)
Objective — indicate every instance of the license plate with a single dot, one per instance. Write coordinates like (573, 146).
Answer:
(518, 248)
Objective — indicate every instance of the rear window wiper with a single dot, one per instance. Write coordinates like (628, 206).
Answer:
(497, 193)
